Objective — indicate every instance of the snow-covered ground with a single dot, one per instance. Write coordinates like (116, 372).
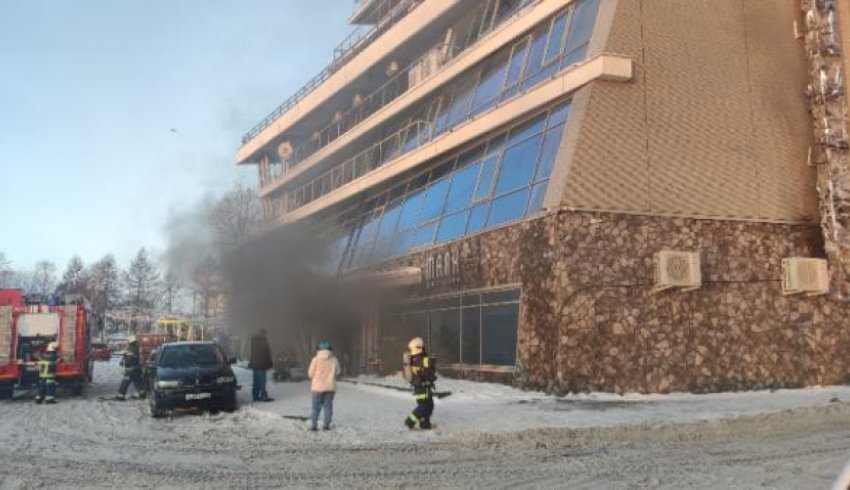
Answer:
(488, 435)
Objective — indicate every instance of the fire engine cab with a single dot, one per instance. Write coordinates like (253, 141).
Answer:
(29, 324)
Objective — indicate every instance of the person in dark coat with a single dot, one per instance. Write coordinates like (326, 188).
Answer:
(261, 361)
(47, 375)
(132, 364)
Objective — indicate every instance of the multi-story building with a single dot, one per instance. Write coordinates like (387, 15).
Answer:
(578, 194)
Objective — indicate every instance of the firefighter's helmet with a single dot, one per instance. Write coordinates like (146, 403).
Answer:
(51, 347)
(416, 346)
(132, 339)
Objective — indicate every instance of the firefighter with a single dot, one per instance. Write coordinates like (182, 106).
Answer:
(132, 370)
(47, 375)
(419, 369)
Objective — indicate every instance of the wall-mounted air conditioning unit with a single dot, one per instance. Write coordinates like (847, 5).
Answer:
(677, 270)
(805, 275)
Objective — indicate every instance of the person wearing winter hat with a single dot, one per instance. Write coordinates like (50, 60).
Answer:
(324, 368)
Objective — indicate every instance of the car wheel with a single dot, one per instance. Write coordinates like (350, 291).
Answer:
(156, 410)
(230, 405)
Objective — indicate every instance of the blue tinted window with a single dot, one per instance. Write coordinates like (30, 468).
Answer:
(490, 84)
(459, 108)
(538, 192)
(584, 19)
(556, 36)
(538, 48)
(559, 114)
(477, 217)
(390, 221)
(527, 129)
(518, 164)
(485, 179)
(435, 198)
(410, 211)
(551, 143)
(424, 235)
(470, 156)
(452, 226)
(463, 184)
(507, 208)
(402, 242)
(518, 56)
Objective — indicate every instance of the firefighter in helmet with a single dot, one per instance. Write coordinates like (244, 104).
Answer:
(419, 369)
(47, 375)
(132, 370)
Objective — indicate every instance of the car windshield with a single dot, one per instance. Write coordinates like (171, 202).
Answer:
(190, 355)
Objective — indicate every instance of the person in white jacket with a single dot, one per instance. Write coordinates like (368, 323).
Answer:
(324, 368)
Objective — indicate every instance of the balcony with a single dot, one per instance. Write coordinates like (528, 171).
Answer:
(353, 44)
(407, 78)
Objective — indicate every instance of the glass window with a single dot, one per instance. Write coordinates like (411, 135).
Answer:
(508, 208)
(499, 331)
(463, 185)
(435, 199)
(410, 210)
(583, 22)
(518, 165)
(390, 220)
(459, 108)
(471, 336)
(452, 226)
(402, 242)
(424, 235)
(500, 296)
(526, 130)
(491, 84)
(518, 55)
(470, 156)
(477, 218)
(537, 50)
(551, 143)
(471, 299)
(556, 36)
(559, 114)
(445, 336)
(538, 192)
(485, 178)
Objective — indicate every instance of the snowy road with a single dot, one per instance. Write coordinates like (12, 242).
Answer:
(489, 436)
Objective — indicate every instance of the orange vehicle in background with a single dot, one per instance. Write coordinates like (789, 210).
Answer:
(32, 322)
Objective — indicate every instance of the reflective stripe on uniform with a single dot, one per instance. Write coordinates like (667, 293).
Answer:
(423, 396)
(414, 418)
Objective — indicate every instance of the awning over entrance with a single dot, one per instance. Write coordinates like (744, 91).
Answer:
(399, 277)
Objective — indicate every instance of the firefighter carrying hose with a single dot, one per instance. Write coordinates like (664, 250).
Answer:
(420, 370)
(132, 371)
(47, 375)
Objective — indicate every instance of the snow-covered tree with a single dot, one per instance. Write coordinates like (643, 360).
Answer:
(75, 279)
(141, 282)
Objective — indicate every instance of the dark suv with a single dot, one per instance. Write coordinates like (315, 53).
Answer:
(190, 374)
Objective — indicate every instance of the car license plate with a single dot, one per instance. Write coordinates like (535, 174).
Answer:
(198, 396)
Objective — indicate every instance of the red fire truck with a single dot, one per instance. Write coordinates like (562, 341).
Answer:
(28, 326)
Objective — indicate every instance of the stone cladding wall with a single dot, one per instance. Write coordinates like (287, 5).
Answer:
(589, 319)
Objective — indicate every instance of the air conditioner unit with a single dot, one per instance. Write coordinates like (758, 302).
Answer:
(805, 275)
(677, 270)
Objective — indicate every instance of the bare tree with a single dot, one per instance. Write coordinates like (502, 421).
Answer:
(6, 272)
(172, 286)
(42, 280)
(104, 290)
(74, 280)
(141, 282)
(235, 215)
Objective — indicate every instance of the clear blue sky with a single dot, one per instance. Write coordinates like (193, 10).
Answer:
(89, 90)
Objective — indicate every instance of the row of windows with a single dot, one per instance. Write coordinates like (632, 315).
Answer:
(483, 333)
(552, 46)
(488, 15)
(500, 179)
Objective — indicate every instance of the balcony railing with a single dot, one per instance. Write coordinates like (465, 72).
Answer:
(407, 78)
(407, 139)
(353, 44)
